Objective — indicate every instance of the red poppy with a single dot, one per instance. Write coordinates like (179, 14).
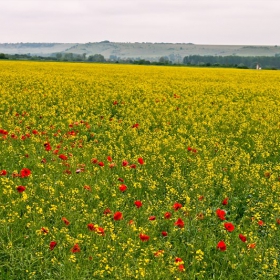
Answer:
(88, 188)
(72, 133)
(221, 214)
(122, 188)
(242, 237)
(152, 218)
(252, 245)
(164, 233)
(109, 158)
(177, 260)
(221, 246)
(138, 203)
(21, 189)
(189, 149)
(107, 211)
(133, 166)
(121, 180)
(63, 157)
(4, 132)
(47, 146)
(136, 125)
(177, 206)
(144, 237)
(278, 221)
(229, 227)
(125, 163)
(25, 172)
(118, 216)
(225, 201)
(179, 223)
(201, 198)
(66, 222)
(140, 161)
(158, 253)
(261, 223)
(76, 249)
(52, 245)
(181, 267)
(100, 231)
(167, 215)
(115, 102)
(91, 227)
(94, 160)
(3, 172)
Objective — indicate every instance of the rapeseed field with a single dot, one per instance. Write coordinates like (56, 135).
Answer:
(138, 172)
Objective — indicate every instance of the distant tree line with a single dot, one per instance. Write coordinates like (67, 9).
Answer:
(26, 57)
(80, 57)
(55, 57)
(98, 58)
(266, 62)
(244, 62)
(3, 56)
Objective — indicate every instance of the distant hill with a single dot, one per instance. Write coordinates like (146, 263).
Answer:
(151, 51)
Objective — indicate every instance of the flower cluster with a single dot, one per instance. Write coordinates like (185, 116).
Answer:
(110, 171)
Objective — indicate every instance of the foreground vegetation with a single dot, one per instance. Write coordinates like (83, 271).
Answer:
(129, 172)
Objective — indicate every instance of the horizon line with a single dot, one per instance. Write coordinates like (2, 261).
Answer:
(107, 41)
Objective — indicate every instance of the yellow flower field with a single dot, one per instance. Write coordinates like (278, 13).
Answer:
(138, 172)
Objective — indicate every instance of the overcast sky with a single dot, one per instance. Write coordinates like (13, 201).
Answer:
(230, 22)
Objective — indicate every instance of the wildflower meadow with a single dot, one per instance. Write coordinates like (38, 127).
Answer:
(138, 172)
